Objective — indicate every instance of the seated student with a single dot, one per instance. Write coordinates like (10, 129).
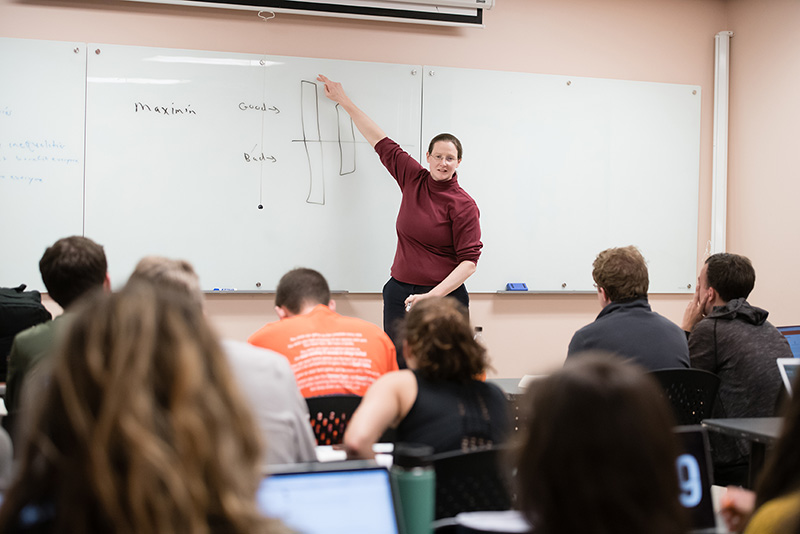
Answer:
(71, 268)
(263, 376)
(330, 354)
(777, 498)
(627, 326)
(436, 401)
(734, 340)
(140, 428)
(598, 452)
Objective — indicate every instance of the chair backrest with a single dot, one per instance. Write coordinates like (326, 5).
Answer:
(471, 481)
(329, 416)
(691, 392)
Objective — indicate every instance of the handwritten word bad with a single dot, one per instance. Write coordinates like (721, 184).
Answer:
(163, 110)
(258, 157)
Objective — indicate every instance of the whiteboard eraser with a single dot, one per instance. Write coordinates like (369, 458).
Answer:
(511, 286)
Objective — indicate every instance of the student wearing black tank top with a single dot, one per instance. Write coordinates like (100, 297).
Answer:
(439, 400)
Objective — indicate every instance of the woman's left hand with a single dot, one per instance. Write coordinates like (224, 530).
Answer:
(413, 299)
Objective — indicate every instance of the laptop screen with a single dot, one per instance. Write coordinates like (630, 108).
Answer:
(792, 335)
(694, 477)
(331, 502)
(788, 368)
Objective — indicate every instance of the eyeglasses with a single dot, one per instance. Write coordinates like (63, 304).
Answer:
(440, 158)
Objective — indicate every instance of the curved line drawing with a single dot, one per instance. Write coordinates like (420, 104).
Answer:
(347, 145)
(309, 117)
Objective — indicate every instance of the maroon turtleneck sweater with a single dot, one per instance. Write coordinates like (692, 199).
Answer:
(438, 224)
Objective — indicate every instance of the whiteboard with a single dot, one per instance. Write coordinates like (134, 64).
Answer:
(42, 96)
(563, 167)
(185, 145)
(182, 147)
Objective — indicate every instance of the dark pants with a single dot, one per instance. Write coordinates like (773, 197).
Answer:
(395, 294)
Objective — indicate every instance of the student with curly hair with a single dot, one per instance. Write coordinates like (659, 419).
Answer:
(437, 401)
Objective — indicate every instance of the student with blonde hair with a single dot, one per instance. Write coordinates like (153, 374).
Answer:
(263, 376)
(140, 428)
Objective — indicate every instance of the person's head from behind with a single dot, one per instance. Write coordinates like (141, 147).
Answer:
(444, 156)
(598, 452)
(439, 341)
(725, 277)
(620, 274)
(140, 428)
(299, 290)
(72, 267)
(166, 272)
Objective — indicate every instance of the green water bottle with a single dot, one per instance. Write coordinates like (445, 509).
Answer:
(415, 481)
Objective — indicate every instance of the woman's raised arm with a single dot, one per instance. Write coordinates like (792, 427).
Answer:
(368, 128)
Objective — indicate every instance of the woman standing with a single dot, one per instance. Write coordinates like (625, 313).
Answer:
(438, 227)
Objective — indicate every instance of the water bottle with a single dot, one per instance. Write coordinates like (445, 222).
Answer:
(414, 479)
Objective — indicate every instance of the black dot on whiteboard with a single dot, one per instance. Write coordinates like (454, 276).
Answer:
(261, 206)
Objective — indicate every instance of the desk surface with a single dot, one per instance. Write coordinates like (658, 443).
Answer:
(510, 386)
(759, 429)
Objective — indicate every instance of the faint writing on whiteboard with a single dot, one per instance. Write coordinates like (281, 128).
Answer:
(34, 146)
(6, 112)
(258, 107)
(37, 151)
(163, 110)
(46, 158)
(26, 179)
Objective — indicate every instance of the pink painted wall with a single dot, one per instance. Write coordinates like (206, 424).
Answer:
(764, 175)
(651, 40)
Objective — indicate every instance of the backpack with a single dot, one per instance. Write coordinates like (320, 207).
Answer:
(19, 309)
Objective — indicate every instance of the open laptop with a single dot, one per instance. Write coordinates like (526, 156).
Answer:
(792, 335)
(695, 478)
(788, 368)
(332, 498)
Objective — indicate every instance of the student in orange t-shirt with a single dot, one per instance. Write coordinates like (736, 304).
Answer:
(329, 353)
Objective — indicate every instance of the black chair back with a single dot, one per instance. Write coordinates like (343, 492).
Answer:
(471, 481)
(329, 416)
(691, 392)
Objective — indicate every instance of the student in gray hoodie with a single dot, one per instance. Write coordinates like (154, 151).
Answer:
(734, 340)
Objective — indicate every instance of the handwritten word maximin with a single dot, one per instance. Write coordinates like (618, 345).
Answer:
(163, 110)
(33, 146)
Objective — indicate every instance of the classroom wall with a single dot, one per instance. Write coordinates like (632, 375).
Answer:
(764, 160)
(650, 40)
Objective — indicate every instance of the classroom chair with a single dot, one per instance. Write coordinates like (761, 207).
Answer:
(329, 416)
(691, 392)
(472, 481)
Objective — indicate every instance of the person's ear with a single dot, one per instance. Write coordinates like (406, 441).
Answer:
(332, 305)
(107, 283)
(282, 312)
